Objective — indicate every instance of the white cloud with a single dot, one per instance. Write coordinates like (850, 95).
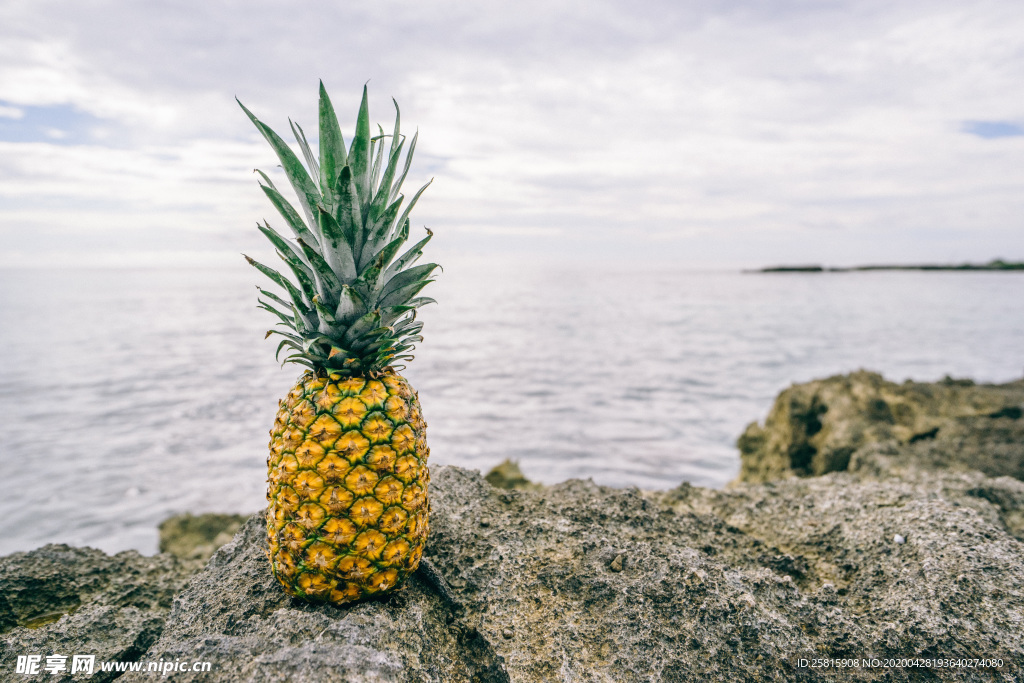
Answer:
(784, 130)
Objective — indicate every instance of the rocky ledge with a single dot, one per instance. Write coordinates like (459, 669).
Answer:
(881, 543)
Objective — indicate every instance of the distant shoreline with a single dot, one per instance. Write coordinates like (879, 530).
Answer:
(997, 264)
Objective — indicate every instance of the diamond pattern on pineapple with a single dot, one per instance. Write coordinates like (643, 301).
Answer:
(347, 487)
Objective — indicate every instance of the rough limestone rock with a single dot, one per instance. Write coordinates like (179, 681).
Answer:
(904, 552)
(919, 565)
(507, 475)
(577, 582)
(235, 615)
(63, 600)
(814, 428)
(195, 538)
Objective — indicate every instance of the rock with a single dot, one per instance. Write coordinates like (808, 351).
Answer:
(507, 475)
(196, 538)
(578, 582)
(921, 564)
(235, 615)
(582, 582)
(63, 600)
(816, 427)
(107, 633)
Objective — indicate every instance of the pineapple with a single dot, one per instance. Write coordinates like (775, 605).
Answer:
(347, 470)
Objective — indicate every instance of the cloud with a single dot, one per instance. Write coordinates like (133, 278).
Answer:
(768, 131)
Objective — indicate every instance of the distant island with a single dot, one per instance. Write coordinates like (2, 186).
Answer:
(997, 264)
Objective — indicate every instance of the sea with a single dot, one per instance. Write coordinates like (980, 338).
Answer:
(128, 396)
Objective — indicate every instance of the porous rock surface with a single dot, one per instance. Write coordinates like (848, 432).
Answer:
(195, 538)
(578, 582)
(814, 428)
(905, 553)
(63, 600)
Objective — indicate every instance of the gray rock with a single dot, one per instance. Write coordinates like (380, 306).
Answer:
(815, 428)
(577, 582)
(63, 600)
(953, 587)
(195, 538)
(507, 475)
(235, 616)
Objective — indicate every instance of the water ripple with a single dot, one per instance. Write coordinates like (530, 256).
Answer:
(156, 395)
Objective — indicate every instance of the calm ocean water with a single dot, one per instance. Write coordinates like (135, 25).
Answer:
(127, 395)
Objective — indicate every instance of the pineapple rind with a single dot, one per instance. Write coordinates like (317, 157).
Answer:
(347, 487)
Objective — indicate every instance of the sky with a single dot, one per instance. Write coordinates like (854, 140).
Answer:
(708, 134)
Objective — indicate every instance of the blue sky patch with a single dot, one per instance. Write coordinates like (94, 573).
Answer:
(993, 129)
(60, 124)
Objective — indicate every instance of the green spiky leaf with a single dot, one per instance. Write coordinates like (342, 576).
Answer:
(288, 212)
(359, 152)
(348, 214)
(409, 257)
(405, 171)
(309, 195)
(337, 248)
(289, 253)
(351, 307)
(333, 156)
(307, 153)
(325, 281)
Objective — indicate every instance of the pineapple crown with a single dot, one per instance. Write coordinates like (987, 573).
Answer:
(352, 306)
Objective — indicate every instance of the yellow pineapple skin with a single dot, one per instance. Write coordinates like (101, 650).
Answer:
(347, 487)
